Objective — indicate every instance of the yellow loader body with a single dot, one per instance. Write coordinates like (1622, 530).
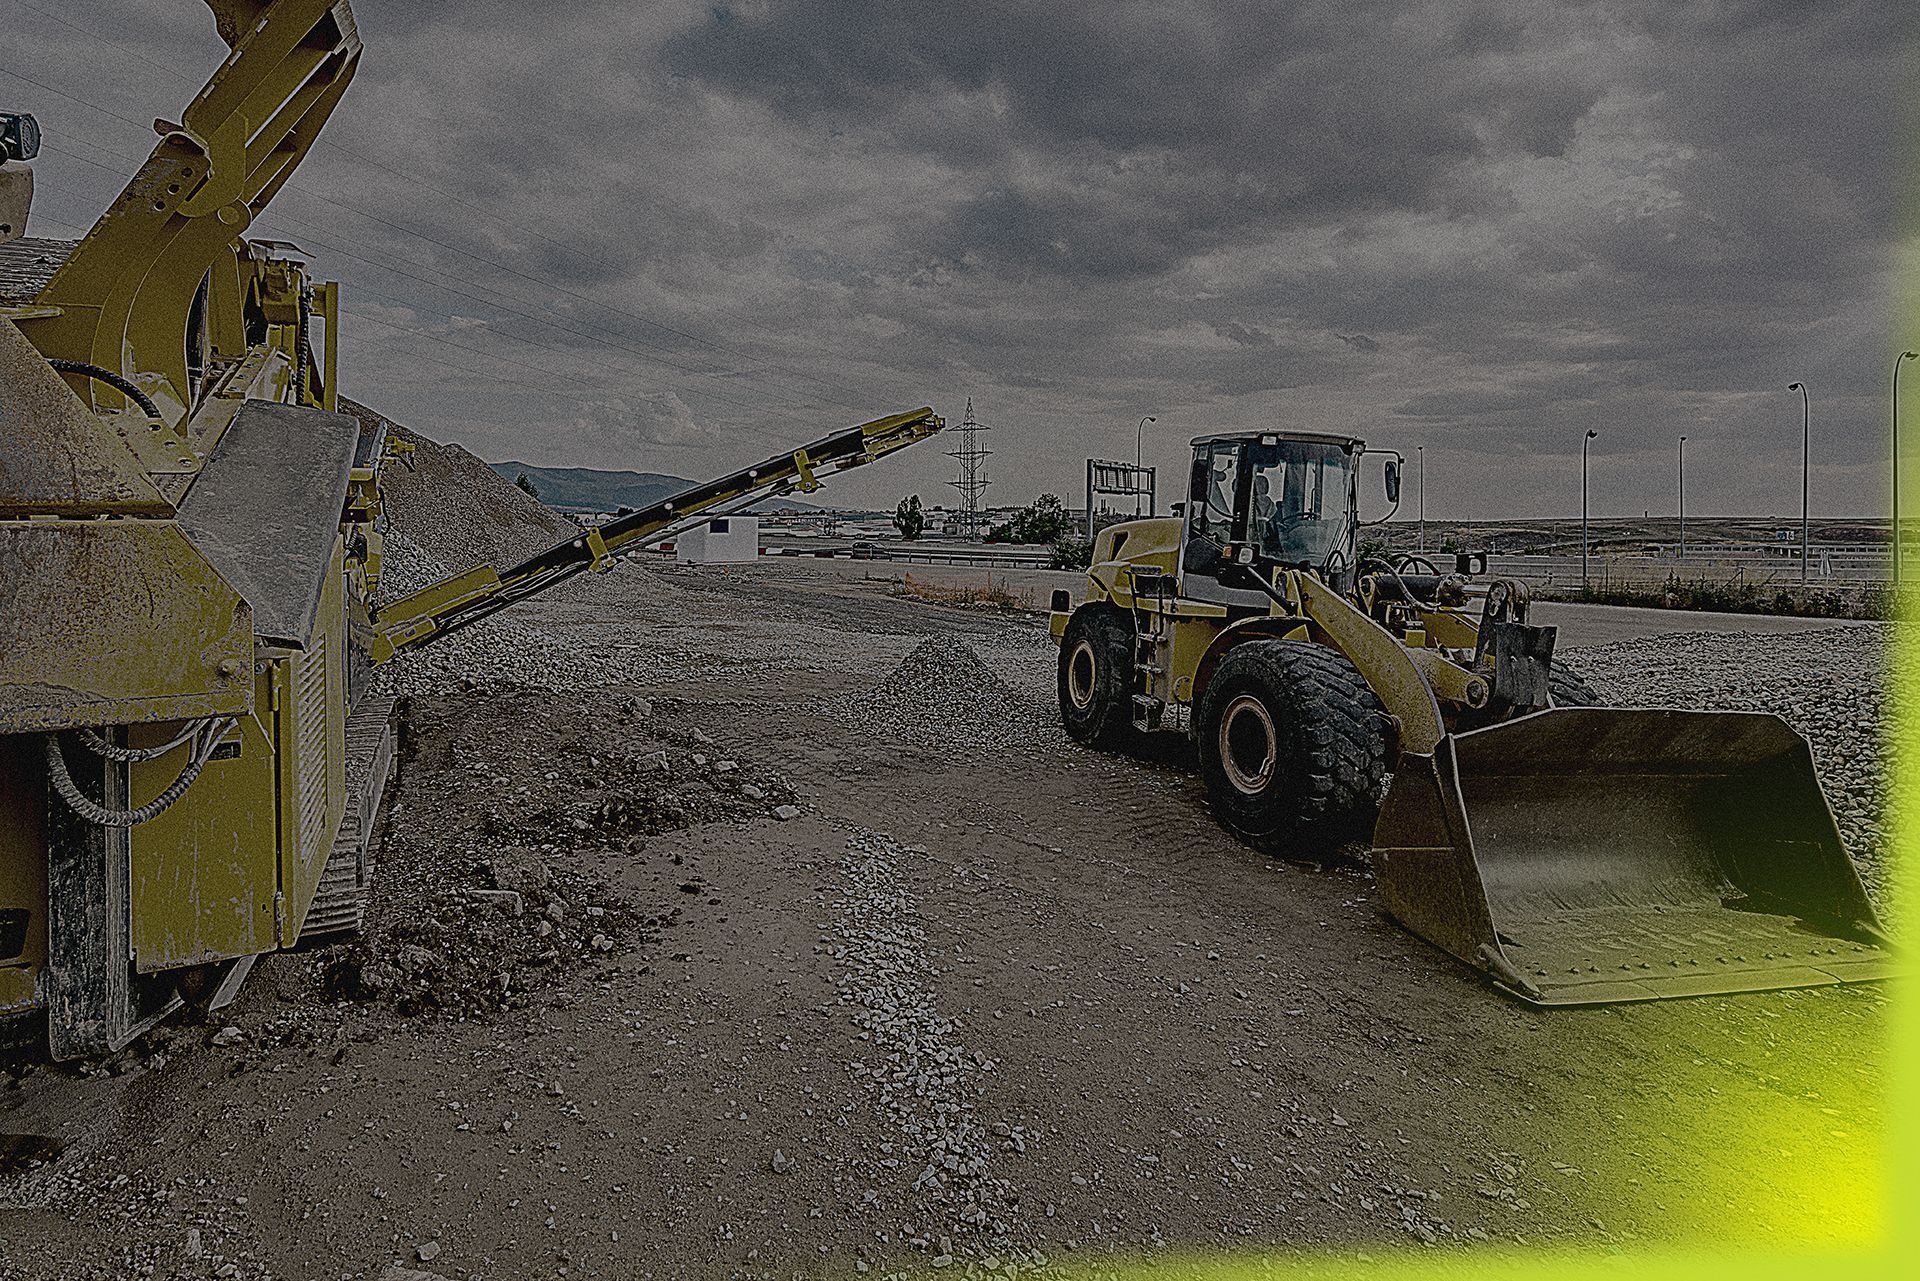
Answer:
(1574, 853)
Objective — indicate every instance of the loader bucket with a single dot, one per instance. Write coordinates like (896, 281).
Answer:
(1591, 854)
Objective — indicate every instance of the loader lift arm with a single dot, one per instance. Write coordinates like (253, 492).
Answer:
(474, 594)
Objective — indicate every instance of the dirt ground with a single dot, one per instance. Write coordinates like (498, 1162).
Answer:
(712, 966)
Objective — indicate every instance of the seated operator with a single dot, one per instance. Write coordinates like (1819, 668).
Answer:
(1263, 513)
(1285, 527)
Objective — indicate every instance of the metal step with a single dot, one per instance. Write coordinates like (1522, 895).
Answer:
(340, 901)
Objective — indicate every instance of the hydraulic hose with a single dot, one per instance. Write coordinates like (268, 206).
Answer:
(1411, 595)
(206, 735)
(100, 746)
(125, 386)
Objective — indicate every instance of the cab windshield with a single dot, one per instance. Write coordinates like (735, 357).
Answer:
(1299, 510)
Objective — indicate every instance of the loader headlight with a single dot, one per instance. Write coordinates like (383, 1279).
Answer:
(19, 136)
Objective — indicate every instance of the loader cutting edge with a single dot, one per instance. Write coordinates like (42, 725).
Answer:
(1589, 855)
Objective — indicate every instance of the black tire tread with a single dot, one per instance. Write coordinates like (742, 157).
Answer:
(1334, 746)
(1110, 723)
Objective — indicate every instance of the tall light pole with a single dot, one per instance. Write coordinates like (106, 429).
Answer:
(1583, 508)
(1139, 434)
(1806, 469)
(1683, 498)
(1903, 358)
(1422, 449)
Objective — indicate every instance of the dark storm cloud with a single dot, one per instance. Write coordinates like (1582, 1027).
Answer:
(1125, 137)
(669, 234)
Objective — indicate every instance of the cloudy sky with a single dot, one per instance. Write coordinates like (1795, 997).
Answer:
(677, 236)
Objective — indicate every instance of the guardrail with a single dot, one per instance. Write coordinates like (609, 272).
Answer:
(1824, 572)
(999, 555)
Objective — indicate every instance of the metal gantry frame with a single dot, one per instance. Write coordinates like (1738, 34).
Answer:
(1119, 480)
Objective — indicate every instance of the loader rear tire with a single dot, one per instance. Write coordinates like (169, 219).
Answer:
(1569, 688)
(1293, 748)
(1096, 676)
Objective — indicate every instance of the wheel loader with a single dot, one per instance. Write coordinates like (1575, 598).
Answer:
(191, 748)
(1574, 853)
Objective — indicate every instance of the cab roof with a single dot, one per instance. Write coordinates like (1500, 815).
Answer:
(1277, 435)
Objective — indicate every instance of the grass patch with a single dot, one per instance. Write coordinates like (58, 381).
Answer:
(987, 595)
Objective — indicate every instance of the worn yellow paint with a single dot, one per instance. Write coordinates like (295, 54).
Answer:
(1450, 682)
(416, 619)
(203, 873)
(124, 622)
(125, 293)
(81, 591)
(58, 458)
(413, 617)
(1189, 636)
(1381, 658)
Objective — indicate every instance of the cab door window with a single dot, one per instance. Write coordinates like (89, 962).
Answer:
(1211, 495)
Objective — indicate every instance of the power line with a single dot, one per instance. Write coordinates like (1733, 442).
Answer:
(306, 233)
(513, 226)
(567, 390)
(296, 187)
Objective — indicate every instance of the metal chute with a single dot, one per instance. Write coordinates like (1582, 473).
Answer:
(1587, 854)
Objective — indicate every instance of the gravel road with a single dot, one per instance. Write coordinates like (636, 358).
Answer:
(897, 982)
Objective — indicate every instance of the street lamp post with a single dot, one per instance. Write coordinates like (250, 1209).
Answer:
(1683, 498)
(1903, 358)
(1806, 469)
(1583, 508)
(1422, 449)
(1139, 434)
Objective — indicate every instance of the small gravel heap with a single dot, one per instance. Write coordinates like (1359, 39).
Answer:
(924, 1079)
(942, 694)
(1831, 685)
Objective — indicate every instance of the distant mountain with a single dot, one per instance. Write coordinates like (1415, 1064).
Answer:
(586, 489)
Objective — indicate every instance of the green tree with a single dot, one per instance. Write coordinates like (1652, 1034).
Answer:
(909, 518)
(524, 482)
(1071, 552)
(1044, 520)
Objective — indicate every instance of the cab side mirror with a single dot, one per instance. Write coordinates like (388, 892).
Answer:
(1393, 480)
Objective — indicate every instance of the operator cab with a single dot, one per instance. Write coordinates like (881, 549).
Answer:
(1268, 498)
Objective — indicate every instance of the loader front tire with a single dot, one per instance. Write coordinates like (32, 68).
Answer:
(1293, 748)
(1096, 676)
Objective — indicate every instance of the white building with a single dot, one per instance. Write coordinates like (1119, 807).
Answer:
(724, 540)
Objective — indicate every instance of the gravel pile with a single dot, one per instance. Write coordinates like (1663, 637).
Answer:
(480, 946)
(207, 1228)
(1830, 685)
(501, 650)
(924, 1079)
(942, 694)
(472, 916)
(456, 507)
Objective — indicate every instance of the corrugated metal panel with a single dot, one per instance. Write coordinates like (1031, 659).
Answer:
(310, 729)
